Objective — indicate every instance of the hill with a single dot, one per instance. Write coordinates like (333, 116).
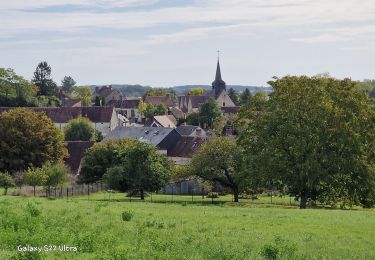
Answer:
(139, 90)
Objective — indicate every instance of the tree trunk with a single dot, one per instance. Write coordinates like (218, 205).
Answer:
(236, 194)
(34, 191)
(5, 190)
(303, 202)
(142, 194)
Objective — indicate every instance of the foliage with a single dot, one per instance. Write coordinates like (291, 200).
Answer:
(142, 106)
(317, 137)
(42, 79)
(195, 91)
(244, 97)
(84, 94)
(157, 110)
(208, 112)
(234, 96)
(127, 215)
(28, 139)
(6, 181)
(212, 195)
(48, 101)
(219, 125)
(68, 84)
(34, 177)
(131, 175)
(219, 159)
(79, 129)
(15, 90)
(156, 92)
(56, 174)
(193, 118)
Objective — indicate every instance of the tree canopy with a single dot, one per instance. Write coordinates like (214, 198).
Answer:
(67, 84)
(317, 137)
(79, 129)
(219, 159)
(28, 139)
(208, 112)
(84, 94)
(195, 91)
(43, 80)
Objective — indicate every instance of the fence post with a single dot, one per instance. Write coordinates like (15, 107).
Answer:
(151, 196)
(172, 193)
(88, 191)
(67, 193)
(192, 195)
(55, 191)
(212, 197)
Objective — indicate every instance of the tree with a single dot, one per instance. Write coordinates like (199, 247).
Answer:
(195, 91)
(84, 94)
(133, 176)
(233, 96)
(68, 83)
(244, 97)
(142, 106)
(28, 139)
(160, 110)
(34, 177)
(15, 90)
(42, 79)
(79, 129)
(219, 159)
(192, 118)
(6, 181)
(219, 125)
(55, 174)
(208, 112)
(99, 158)
(317, 137)
(372, 93)
(149, 111)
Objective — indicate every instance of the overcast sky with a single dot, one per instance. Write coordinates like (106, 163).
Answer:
(165, 43)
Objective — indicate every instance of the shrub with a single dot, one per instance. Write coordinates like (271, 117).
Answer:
(127, 215)
(213, 195)
(270, 252)
(32, 210)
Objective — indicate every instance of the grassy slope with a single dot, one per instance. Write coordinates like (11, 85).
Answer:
(175, 231)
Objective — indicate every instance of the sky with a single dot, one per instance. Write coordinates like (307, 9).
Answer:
(164, 43)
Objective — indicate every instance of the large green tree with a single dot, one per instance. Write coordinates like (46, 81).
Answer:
(68, 83)
(79, 129)
(219, 159)
(15, 90)
(208, 112)
(28, 139)
(317, 137)
(140, 168)
(43, 80)
(84, 94)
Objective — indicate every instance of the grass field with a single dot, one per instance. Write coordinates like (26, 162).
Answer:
(181, 230)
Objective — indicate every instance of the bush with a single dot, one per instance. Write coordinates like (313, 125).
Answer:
(270, 252)
(32, 210)
(213, 195)
(127, 215)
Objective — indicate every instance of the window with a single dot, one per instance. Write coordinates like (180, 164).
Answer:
(223, 104)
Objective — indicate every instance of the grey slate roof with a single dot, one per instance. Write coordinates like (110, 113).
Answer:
(163, 138)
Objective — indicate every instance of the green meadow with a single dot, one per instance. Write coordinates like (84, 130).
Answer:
(124, 229)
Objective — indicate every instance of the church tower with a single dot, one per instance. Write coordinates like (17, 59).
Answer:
(218, 84)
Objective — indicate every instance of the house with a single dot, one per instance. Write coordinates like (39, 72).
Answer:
(104, 119)
(127, 108)
(191, 130)
(157, 100)
(168, 121)
(76, 151)
(189, 103)
(71, 102)
(106, 94)
(186, 146)
(163, 138)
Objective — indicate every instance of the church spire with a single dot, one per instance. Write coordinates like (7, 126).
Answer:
(218, 84)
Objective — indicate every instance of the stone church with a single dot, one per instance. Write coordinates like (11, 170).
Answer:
(189, 103)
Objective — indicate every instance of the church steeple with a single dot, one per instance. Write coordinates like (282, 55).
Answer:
(218, 84)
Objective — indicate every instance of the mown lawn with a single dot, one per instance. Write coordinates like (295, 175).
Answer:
(181, 230)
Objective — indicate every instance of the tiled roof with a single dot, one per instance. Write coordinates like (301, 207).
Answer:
(64, 114)
(156, 100)
(186, 146)
(127, 104)
(166, 121)
(189, 130)
(76, 151)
